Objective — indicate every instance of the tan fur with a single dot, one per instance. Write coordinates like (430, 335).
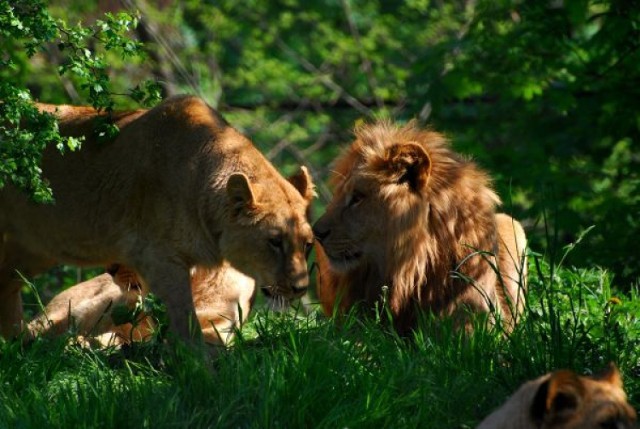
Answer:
(177, 187)
(565, 400)
(86, 306)
(410, 214)
(222, 299)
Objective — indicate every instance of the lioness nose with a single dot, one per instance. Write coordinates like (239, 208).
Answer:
(319, 232)
(299, 289)
(300, 281)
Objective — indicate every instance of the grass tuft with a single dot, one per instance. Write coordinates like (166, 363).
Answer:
(298, 370)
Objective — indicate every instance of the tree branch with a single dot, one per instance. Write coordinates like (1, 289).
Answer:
(366, 64)
(324, 79)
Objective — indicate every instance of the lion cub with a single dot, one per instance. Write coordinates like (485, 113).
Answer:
(222, 299)
(565, 400)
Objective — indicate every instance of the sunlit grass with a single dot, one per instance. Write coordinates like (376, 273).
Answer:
(294, 370)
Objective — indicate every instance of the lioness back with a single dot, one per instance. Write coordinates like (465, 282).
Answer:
(177, 187)
(410, 214)
(565, 400)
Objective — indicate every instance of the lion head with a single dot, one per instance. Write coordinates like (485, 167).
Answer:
(410, 214)
(265, 238)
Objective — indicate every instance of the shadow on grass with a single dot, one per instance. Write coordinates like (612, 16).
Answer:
(295, 369)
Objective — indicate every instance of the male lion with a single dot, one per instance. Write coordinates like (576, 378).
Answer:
(177, 187)
(222, 299)
(565, 400)
(410, 214)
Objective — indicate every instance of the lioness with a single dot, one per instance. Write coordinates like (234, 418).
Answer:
(177, 187)
(410, 214)
(565, 400)
(222, 299)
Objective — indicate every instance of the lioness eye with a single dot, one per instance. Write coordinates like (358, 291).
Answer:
(307, 247)
(276, 242)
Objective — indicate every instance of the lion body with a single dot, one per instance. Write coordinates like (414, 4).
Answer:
(177, 187)
(222, 299)
(410, 214)
(565, 400)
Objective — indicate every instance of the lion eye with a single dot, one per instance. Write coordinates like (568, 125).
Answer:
(355, 198)
(276, 242)
(610, 424)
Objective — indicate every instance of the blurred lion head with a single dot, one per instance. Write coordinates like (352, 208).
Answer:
(566, 400)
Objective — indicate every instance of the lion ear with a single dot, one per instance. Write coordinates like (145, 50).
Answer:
(558, 398)
(303, 182)
(240, 193)
(408, 163)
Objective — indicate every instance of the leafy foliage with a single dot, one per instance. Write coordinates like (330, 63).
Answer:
(540, 93)
(21, 148)
(558, 80)
(543, 94)
(26, 27)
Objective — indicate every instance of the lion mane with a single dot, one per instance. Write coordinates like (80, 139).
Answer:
(411, 214)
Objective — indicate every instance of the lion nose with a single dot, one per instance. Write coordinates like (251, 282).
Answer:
(319, 232)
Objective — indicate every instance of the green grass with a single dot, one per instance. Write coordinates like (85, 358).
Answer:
(288, 370)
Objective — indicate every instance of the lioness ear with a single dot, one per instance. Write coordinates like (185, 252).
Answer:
(558, 398)
(239, 193)
(303, 183)
(408, 163)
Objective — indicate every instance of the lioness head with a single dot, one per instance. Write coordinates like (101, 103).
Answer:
(267, 233)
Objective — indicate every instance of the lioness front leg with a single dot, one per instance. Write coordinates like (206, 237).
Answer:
(172, 284)
(10, 310)
(15, 262)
